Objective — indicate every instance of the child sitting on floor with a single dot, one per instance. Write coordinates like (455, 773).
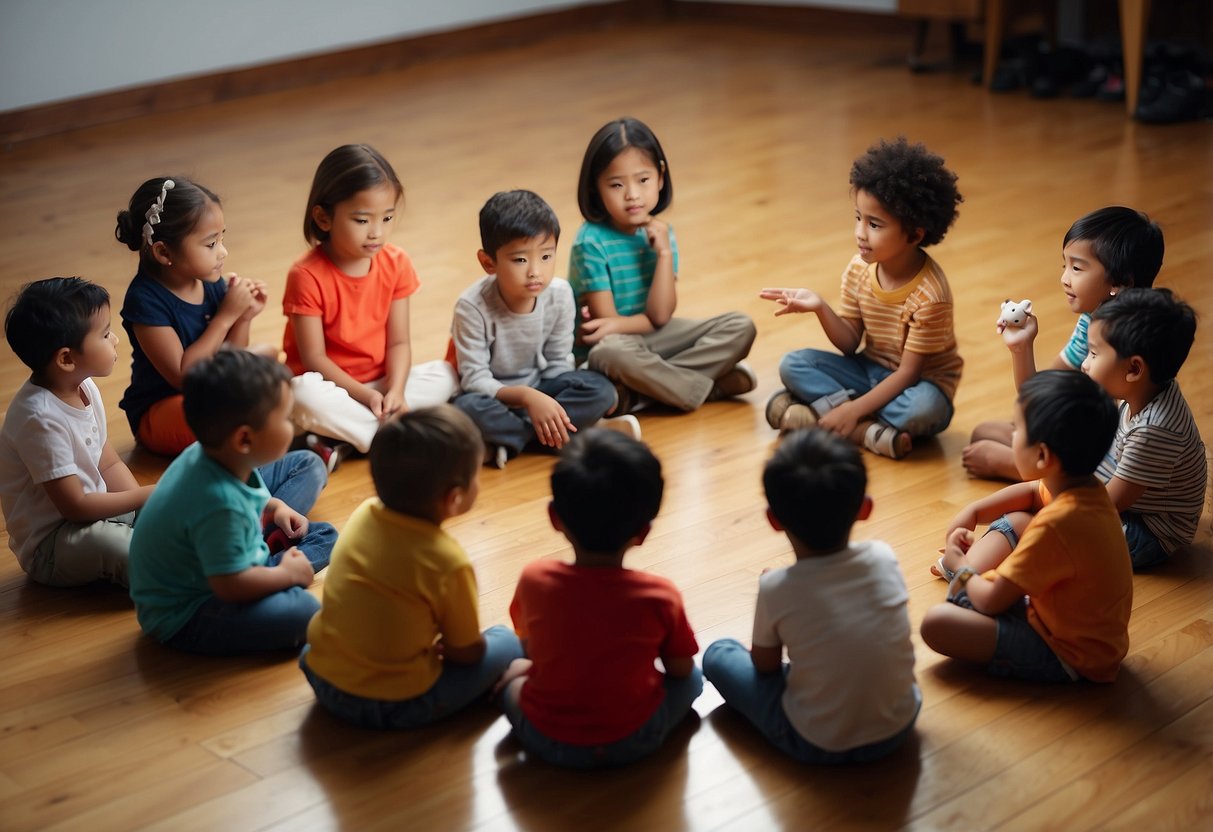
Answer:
(588, 693)
(847, 692)
(211, 571)
(69, 499)
(397, 643)
(1045, 594)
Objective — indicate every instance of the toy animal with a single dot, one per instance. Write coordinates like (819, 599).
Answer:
(1014, 314)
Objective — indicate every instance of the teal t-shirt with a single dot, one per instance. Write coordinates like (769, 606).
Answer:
(606, 260)
(1075, 350)
(199, 521)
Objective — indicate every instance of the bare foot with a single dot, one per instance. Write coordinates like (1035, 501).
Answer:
(989, 460)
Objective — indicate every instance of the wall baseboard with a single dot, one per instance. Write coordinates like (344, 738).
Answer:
(104, 108)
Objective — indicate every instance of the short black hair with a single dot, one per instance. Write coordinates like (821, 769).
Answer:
(1072, 415)
(912, 183)
(1152, 323)
(48, 315)
(511, 215)
(605, 487)
(233, 387)
(815, 484)
(419, 456)
(613, 138)
(1127, 243)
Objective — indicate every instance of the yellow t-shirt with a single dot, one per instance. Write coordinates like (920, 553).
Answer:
(1073, 563)
(394, 585)
(916, 317)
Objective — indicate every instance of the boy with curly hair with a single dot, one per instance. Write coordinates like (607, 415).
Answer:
(896, 305)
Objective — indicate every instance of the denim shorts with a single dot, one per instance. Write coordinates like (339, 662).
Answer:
(1020, 652)
(1144, 549)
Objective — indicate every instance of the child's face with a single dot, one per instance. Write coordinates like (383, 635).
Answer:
(200, 254)
(358, 227)
(1103, 365)
(878, 234)
(98, 351)
(272, 440)
(629, 188)
(1083, 277)
(1025, 455)
(524, 268)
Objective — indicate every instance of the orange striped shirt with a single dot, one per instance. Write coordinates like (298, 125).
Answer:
(915, 317)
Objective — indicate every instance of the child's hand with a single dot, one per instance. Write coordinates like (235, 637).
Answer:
(595, 329)
(373, 400)
(518, 669)
(239, 297)
(842, 419)
(392, 404)
(956, 547)
(260, 295)
(552, 425)
(792, 300)
(658, 234)
(1020, 338)
(966, 519)
(298, 567)
(290, 521)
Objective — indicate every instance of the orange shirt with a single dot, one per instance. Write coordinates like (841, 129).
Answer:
(1073, 563)
(352, 310)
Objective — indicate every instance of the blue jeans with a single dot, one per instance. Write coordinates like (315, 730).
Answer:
(920, 410)
(1019, 652)
(297, 479)
(759, 698)
(1144, 549)
(585, 395)
(679, 694)
(275, 622)
(458, 686)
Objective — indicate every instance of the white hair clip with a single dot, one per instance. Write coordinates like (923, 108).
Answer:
(153, 213)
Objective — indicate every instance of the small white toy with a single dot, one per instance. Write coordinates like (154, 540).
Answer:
(1014, 314)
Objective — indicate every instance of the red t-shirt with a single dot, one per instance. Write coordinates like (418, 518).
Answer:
(352, 310)
(593, 635)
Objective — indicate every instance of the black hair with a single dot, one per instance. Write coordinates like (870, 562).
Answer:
(815, 484)
(1072, 415)
(184, 204)
(421, 455)
(1127, 243)
(344, 172)
(605, 487)
(1152, 323)
(613, 138)
(48, 315)
(912, 184)
(510, 215)
(233, 387)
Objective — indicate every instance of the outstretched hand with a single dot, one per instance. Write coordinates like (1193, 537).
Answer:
(792, 300)
(1019, 338)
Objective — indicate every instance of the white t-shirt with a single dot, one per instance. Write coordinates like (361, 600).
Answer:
(43, 439)
(844, 621)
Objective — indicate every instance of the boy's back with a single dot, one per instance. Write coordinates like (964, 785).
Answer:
(395, 583)
(593, 634)
(844, 621)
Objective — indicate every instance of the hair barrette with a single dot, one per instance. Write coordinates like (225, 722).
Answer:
(153, 212)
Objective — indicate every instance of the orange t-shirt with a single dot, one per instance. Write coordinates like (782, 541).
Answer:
(1073, 563)
(352, 310)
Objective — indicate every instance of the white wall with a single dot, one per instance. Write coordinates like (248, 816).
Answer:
(52, 50)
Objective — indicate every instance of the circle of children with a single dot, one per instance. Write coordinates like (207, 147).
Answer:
(217, 555)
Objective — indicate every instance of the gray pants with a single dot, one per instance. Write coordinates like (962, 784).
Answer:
(678, 364)
(74, 554)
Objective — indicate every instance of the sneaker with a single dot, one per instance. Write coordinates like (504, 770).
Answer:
(627, 424)
(796, 417)
(739, 380)
(496, 455)
(776, 406)
(625, 400)
(331, 455)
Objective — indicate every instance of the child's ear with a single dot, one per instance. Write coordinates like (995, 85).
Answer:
(454, 502)
(1137, 369)
(160, 253)
(916, 237)
(486, 262)
(773, 520)
(640, 535)
(241, 440)
(555, 518)
(63, 360)
(322, 219)
(865, 508)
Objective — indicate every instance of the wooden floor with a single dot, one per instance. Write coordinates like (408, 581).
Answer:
(102, 729)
